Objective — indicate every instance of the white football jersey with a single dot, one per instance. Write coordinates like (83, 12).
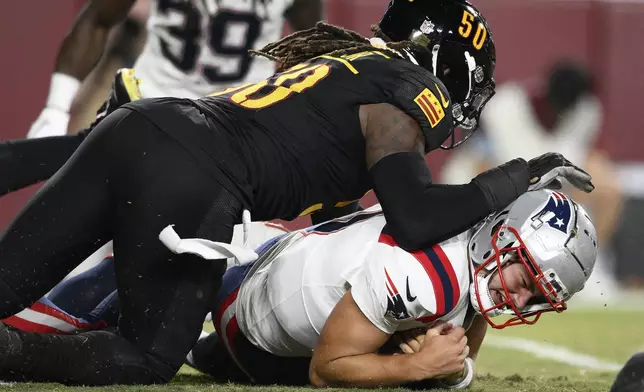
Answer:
(289, 293)
(196, 47)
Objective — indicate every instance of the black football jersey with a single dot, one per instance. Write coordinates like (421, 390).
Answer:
(298, 133)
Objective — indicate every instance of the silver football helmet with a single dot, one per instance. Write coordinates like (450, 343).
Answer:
(551, 235)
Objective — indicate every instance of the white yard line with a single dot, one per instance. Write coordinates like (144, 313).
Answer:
(553, 352)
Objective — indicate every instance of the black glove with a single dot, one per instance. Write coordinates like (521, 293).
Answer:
(547, 170)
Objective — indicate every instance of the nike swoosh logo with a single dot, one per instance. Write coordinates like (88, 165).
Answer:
(443, 100)
(409, 296)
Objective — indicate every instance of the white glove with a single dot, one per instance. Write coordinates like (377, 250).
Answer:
(53, 120)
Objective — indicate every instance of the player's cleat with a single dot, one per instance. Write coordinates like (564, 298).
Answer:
(125, 89)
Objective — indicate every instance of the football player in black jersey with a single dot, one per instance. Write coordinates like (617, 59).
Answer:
(345, 114)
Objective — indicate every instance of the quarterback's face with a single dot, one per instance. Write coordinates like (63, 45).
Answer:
(520, 285)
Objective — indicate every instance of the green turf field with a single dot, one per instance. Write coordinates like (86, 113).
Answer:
(578, 350)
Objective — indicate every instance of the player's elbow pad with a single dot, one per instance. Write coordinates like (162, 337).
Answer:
(420, 213)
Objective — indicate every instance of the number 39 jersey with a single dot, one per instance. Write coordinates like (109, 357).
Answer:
(195, 47)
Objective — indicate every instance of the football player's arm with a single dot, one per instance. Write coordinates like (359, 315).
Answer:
(303, 14)
(420, 213)
(81, 49)
(475, 335)
(123, 47)
(346, 353)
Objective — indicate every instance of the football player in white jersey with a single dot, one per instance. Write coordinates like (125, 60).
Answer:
(194, 47)
(319, 303)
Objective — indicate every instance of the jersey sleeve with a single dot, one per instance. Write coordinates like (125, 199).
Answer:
(393, 287)
(414, 90)
(423, 97)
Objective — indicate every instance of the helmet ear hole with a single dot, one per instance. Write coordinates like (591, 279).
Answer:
(496, 227)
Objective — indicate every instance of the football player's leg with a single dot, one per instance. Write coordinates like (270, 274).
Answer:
(267, 368)
(64, 223)
(85, 301)
(82, 293)
(210, 356)
(163, 296)
(259, 366)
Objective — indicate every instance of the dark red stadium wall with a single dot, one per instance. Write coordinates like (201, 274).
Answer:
(31, 33)
(529, 35)
(619, 57)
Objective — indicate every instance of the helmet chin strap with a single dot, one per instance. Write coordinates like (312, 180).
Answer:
(435, 49)
(411, 57)
(471, 67)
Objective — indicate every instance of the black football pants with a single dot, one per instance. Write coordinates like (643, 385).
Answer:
(126, 182)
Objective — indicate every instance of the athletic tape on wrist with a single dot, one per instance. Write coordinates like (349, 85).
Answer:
(62, 90)
(467, 379)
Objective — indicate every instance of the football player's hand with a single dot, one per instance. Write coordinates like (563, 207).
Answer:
(51, 122)
(442, 352)
(547, 171)
(409, 341)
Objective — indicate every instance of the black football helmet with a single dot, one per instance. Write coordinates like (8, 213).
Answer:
(460, 52)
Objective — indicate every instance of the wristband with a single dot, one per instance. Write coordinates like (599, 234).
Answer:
(62, 91)
(467, 378)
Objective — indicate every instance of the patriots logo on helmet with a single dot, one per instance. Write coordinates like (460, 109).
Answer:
(559, 205)
(395, 305)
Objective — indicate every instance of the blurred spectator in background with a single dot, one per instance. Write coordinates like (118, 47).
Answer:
(192, 49)
(563, 115)
(124, 45)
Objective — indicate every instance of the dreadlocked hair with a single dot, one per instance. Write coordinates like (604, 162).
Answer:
(325, 39)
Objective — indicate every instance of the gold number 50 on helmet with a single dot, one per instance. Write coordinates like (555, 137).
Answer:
(461, 53)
